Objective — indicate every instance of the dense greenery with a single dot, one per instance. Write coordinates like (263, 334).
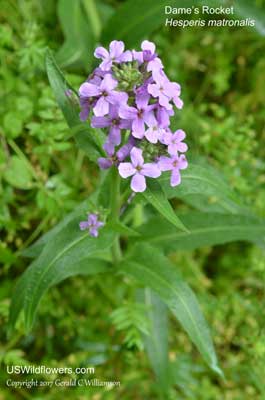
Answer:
(44, 175)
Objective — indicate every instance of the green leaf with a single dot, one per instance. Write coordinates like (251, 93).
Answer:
(204, 230)
(59, 86)
(67, 250)
(156, 343)
(136, 19)
(152, 269)
(79, 38)
(155, 195)
(18, 174)
(88, 139)
(205, 189)
(121, 228)
(87, 266)
(252, 10)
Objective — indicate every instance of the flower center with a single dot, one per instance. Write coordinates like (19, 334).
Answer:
(115, 121)
(140, 113)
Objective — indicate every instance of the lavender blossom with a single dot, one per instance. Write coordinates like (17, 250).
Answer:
(139, 115)
(105, 94)
(174, 142)
(116, 54)
(92, 224)
(138, 170)
(114, 122)
(173, 164)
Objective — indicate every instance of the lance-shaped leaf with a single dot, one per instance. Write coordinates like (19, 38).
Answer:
(152, 269)
(204, 230)
(77, 49)
(87, 266)
(69, 248)
(204, 188)
(156, 343)
(155, 195)
(88, 139)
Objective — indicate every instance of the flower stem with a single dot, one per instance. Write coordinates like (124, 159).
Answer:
(115, 211)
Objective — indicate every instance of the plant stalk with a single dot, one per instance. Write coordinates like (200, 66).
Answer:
(115, 213)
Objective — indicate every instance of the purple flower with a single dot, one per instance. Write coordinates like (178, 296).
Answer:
(105, 94)
(139, 115)
(165, 91)
(107, 162)
(138, 170)
(86, 103)
(92, 224)
(125, 150)
(174, 164)
(121, 154)
(154, 131)
(174, 142)
(116, 54)
(163, 115)
(113, 121)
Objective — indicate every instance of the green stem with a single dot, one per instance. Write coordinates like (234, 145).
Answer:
(115, 211)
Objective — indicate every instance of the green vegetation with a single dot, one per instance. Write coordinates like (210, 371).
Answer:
(93, 320)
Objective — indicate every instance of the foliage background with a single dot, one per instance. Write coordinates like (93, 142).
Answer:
(43, 176)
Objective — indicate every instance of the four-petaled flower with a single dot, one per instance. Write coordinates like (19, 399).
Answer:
(104, 92)
(138, 170)
(114, 122)
(139, 115)
(174, 142)
(116, 54)
(174, 164)
(92, 224)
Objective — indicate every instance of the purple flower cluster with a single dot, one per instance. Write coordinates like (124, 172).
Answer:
(131, 97)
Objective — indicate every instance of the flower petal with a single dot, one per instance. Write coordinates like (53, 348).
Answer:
(151, 135)
(106, 64)
(127, 112)
(182, 162)
(151, 169)
(165, 164)
(138, 128)
(137, 157)
(108, 83)
(100, 122)
(175, 177)
(104, 163)
(83, 225)
(179, 135)
(138, 183)
(116, 48)
(126, 56)
(178, 102)
(146, 45)
(89, 90)
(115, 135)
(126, 170)
(101, 52)
(101, 108)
